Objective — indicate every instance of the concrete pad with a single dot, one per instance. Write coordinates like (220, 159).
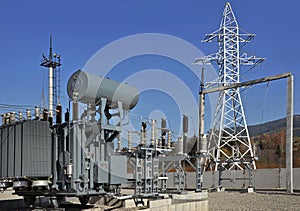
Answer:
(250, 190)
(171, 208)
(202, 205)
(193, 206)
(159, 203)
(191, 196)
(186, 207)
(159, 208)
(129, 203)
(179, 207)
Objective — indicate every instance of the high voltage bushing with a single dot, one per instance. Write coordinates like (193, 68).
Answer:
(163, 132)
(185, 121)
(185, 129)
(28, 113)
(153, 123)
(180, 146)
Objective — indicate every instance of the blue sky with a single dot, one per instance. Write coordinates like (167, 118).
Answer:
(81, 28)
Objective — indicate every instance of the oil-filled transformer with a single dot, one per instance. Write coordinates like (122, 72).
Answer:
(71, 158)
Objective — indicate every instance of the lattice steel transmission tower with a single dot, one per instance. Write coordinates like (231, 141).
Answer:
(229, 146)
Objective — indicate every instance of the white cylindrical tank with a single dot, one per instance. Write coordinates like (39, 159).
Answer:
(90, 89)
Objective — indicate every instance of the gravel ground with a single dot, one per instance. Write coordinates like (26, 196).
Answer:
(254, 201)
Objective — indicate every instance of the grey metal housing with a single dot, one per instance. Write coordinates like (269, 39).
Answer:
(25, 150)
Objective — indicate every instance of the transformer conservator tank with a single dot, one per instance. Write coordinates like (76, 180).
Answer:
(90, 89)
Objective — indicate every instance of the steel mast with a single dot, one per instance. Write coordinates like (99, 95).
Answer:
(52, 62)
(229, 146)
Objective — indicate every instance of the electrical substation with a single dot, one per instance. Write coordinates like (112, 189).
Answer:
(43, 154)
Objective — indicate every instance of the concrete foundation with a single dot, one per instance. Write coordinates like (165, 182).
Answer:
(186, 202)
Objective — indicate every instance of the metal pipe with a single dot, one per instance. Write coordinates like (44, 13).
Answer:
(50, 91)
(129, 142)
(185, 128)
(200, 141)
(74, 107)
(119, 143)
(289, 134)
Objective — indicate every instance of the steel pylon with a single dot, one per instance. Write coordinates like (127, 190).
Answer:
(229, 145)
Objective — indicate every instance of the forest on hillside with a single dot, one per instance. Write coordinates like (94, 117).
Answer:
(269, 140)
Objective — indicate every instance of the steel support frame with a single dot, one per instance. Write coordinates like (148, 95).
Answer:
(289, 120)
(146, 172)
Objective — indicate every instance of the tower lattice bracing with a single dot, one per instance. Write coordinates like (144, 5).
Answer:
(229, 145)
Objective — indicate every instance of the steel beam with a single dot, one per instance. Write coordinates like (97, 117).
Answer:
(289, 134)
(247, 83)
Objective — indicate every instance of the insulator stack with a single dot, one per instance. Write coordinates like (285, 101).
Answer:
(67, 116)
(163, 132)
(12, 117)
(119, 144)
(185, 128)
(7, 118)
(169, 139)
(143, 133)
(58, 114)
(36, 112)
(28, 114)
(203, 144)
(3, 118)
(45, 114)
(153, 123)
(20, 115)
(75, 111)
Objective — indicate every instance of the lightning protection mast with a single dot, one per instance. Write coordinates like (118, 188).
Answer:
(52, 62)
(229, 146)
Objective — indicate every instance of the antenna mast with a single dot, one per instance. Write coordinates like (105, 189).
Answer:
(229, 146)
(52, 62)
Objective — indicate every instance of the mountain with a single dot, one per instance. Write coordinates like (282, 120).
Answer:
(274, 126)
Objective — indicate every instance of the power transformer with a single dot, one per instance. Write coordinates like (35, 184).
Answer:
(71, 158)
